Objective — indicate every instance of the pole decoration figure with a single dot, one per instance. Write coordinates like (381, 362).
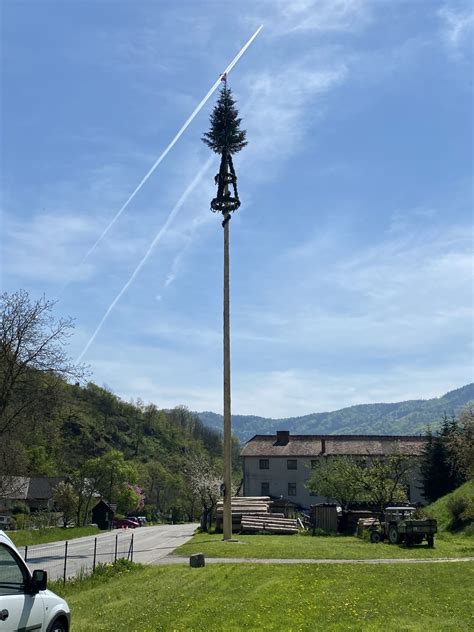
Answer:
(225, 138)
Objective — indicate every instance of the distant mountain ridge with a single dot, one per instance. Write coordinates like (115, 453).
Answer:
(410, 417)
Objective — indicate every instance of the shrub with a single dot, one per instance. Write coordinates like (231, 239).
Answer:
(20, 508)
(320, 532)
(461, 510)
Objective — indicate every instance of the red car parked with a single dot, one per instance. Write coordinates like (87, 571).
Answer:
(124, 523)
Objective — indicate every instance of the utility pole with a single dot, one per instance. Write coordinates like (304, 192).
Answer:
(226, 138)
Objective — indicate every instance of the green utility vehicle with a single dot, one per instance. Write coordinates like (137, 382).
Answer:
(400, 525)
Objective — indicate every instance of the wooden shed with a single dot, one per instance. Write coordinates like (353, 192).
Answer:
(103, 514)
(324, 517)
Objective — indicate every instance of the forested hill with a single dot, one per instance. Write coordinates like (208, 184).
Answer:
(410, 417)
(89, 434)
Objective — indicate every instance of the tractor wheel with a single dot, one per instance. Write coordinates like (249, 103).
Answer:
(375, 537)
(393, 536)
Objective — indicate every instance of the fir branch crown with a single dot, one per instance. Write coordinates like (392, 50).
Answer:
(225, 135)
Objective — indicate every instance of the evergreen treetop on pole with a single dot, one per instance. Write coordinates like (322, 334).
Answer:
(225, 138)
(225, 135)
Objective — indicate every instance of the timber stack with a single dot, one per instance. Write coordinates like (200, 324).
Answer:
(269, 524)
(243, 505)
(252, 514)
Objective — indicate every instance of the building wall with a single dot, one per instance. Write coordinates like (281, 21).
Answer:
(278, 476)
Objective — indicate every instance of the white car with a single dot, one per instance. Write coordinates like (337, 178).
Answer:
(25, 604)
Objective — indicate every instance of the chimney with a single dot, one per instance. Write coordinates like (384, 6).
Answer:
(283, 436)
(323, 446)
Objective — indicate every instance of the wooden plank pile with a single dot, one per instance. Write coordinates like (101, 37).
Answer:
(269, 524)
(243, 505)
(252, 514)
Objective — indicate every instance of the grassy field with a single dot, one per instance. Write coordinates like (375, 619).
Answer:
(271, 597)
(335, 547)
(55, 534)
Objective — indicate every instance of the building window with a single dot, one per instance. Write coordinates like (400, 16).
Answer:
(264, 464)
(291, 489)
(265, 489)
(292, 464)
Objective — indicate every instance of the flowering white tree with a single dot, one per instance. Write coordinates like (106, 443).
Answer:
(205, 482)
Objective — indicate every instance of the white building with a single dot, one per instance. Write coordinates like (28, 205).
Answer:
(280, 466)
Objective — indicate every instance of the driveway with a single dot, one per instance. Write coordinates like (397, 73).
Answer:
(150, 544)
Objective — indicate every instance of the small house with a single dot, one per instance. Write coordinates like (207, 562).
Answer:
(103, 514)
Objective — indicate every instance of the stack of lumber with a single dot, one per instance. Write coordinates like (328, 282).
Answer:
(243, 505)
(269, 524)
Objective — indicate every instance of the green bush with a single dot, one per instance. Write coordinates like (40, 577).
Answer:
(461, 510)
(320, 532)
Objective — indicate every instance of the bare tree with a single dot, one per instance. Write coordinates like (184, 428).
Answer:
(32, 356)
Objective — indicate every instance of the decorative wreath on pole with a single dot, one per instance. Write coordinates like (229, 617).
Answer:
(225, 138)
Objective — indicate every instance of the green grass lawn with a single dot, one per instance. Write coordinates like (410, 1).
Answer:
(28, 537)
(434, 597)
(332, 547)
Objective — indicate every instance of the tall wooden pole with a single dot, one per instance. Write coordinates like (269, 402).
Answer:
(227, 517)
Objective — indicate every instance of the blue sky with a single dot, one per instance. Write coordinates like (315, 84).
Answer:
(351, 256)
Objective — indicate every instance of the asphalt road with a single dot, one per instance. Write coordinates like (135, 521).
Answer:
(150, 544)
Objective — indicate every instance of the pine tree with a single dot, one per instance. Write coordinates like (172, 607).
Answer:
(438, 474)
(225, 135)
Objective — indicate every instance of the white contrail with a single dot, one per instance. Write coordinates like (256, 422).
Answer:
(157, 238)
(173, 142)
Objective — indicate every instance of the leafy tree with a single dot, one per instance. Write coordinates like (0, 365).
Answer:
(375, 480)
(385, 480)
(339, 478)
(66, 500)
(130, 498)
(110, 473)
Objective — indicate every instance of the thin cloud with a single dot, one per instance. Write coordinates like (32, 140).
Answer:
(457, 25)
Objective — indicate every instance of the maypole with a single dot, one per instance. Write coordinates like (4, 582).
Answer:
(226, 138)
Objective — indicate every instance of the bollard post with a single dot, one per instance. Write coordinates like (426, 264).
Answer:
(131, 556)
(95, 554)
(26, 553)
(116, 544)
(197, 560)
(65, 562)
